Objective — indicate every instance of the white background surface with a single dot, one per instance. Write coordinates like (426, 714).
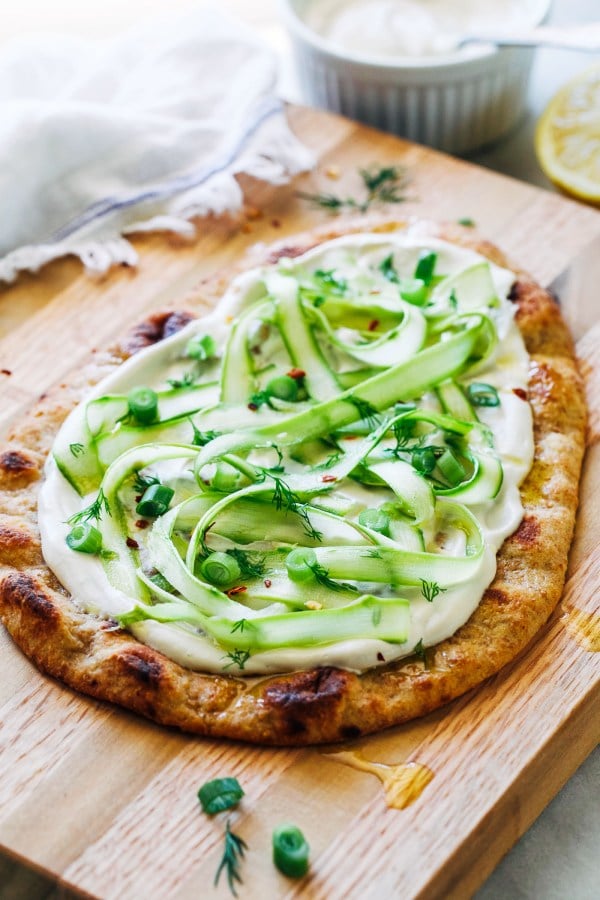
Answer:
(558, 858)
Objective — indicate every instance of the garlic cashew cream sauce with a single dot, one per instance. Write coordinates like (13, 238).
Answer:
(430, 622)
(388, 29)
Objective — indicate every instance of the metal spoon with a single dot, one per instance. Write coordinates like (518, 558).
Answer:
(572, 37)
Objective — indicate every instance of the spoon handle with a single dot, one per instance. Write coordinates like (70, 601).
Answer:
(573, 37)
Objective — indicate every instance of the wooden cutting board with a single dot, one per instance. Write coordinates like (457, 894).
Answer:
(105, 803)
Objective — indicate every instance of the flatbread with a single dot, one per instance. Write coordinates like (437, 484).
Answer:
(322, 704)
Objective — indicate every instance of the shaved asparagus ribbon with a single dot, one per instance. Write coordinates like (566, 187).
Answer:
(264, 478)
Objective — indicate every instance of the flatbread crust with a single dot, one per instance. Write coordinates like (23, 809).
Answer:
(321, 704)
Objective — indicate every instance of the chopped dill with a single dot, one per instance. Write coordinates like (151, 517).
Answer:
(431, 589)
(285, 498)
(93, 511)
(238, 658)
(251, 564)
(187, 380)
(366, 410)
(201, 438)
(143, 482)
(233, 853)
(77, 449)
(322, 576)
(382, 184)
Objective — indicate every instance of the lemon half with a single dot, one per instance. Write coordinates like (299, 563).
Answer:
(567, 140)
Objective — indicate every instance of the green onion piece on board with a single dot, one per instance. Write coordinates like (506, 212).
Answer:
(450, 467)
(413, 290)
(481, 394)
(220, 794)
(290, 851)
(426, 267)
(201, 348)
(375, 519)
(143, 405)
(220, 569)
(155, 500)
(85, 538)
(299, 564)
(284, 388)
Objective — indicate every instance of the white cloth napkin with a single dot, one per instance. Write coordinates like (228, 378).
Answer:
(144, 132)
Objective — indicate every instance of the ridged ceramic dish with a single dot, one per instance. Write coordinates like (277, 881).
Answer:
(453, 102)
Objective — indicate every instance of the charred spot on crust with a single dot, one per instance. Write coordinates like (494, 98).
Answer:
(515, 291)
(18, 545)
(527, 532)
(20, 590)
(143, 664)
(305, 697)
(349, 732)
(18, 467)
(496, 596)
(156, 328)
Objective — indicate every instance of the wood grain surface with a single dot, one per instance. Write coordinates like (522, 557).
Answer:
(104, 804)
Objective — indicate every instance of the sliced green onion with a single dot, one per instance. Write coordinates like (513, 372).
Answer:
(451, 468)
(201, 348)
(375, 519)
(284, 387)
(84, 538)
(298, 564)
(413, 290)
(290, 851)
(426, 267)
(220, 794)
(423, 460)
(143, 405)
(220, 569)
(481, 394)
(155, 500)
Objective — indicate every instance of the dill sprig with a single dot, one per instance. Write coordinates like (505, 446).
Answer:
(382, 184)
(93, 511)
(431, 589)
(238, 658)
(403, 432)
(233, 853)
(187, 380)
(285, 498)
(251, 564)
(76, 449)
(201, 438)
(322, 576)
(365, 409)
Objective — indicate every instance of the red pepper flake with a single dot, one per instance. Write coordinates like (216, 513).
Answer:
(373, 324)
(328, 478)
(6, 371)
(521, 394)
(276, 223)
(374, 292)
(268, 582)
(381, 657)
(297, 374)
(138, 498)
(142, 523)
(351, 437)
(133, 544)
(240, 589)
(253, 407)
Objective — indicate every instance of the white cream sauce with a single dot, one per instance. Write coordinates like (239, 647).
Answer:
(388, 29)
(352, 256)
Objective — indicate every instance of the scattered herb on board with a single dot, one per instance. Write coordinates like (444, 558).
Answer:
(381, 184)
(233, 853)
(467, 222)
(220, 794)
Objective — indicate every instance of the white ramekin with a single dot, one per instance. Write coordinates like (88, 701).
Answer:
(456, 104)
